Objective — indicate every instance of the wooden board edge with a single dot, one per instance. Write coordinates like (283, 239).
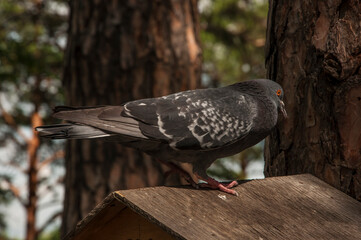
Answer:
(110, 199)
(141, 212)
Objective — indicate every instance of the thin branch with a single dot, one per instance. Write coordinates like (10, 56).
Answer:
(49, 187)
(16, 192)
(52, 158)
(10, 121)
(50, 220)
(46, 190)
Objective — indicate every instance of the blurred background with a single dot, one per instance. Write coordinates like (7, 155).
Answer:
(33, 38)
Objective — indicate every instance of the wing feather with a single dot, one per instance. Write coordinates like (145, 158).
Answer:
(205, 119)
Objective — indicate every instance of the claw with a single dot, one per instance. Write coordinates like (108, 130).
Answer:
(232, 184)
(214, 184)
(210, 182)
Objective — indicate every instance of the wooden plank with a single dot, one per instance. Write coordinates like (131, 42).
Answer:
(130, 225)
(291, 207)
(104, 212)
(113, 220)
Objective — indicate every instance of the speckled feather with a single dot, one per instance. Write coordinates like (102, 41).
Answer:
(196, 126)
(199, 119)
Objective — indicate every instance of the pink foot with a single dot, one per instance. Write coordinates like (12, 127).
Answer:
(232, 184)
(214, 184)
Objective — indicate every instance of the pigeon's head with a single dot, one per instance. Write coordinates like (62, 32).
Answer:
(276, 92)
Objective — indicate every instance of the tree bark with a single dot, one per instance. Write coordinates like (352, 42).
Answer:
(32, 171)
(119, 51)
(314, 50)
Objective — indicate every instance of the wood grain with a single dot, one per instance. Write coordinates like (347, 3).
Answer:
(291, 207)
(113, 220)
(313, 51)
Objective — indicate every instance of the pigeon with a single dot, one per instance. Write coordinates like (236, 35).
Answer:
(194, 126)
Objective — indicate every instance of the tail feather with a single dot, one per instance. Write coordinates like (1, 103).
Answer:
(107, 118)
(70, 131)
(62, 108)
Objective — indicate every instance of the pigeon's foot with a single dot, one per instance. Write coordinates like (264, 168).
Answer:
(230, 185)
(214, 184)
(174, 168)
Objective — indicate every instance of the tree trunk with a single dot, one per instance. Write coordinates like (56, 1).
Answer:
(314, 51)
(32, 171)
(119, 51)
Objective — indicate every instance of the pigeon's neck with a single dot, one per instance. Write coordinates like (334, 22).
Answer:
(267, 114)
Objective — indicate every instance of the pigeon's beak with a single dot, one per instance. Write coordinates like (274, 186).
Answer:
(283, 109)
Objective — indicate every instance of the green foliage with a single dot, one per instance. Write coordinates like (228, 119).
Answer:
(233, 36)
(30, 56)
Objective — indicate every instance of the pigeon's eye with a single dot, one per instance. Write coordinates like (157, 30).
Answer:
(279, 92)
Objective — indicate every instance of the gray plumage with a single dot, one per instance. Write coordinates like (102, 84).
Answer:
(196, 126)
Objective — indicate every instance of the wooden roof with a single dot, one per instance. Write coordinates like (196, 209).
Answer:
(290, 207)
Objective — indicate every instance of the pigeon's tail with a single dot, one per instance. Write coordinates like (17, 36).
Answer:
(70, 131)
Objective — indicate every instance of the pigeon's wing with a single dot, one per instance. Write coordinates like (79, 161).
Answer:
(200, 120)
(91, 116)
